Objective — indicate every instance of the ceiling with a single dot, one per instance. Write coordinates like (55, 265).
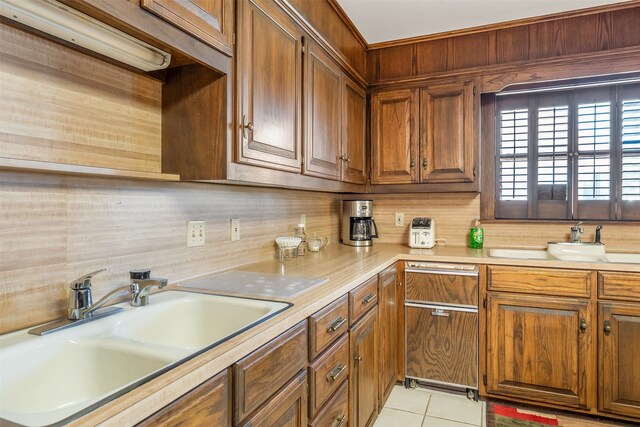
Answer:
(384, 20)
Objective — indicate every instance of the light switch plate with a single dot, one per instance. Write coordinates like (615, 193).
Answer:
(195, 233)
(399, 221)
(235, 229)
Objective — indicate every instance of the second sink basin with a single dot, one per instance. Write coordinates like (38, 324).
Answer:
(193, 321)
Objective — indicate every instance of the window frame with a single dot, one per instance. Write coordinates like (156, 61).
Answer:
(612, 210)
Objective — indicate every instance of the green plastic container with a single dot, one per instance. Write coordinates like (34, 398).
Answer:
(476, 235)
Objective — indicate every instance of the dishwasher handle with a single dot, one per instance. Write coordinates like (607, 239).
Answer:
(471, 273)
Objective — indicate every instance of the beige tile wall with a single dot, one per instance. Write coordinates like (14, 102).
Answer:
(55, 228)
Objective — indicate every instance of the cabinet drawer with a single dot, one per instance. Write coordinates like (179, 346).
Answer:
(262, 373)
(336, 412)
(620, 286)
(446, 287)
(207, 404)
(327, 372)
(362, 298)
(326, 325)
(541, 281)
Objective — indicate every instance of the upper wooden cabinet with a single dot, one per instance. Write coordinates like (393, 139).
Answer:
(335, 120)
(209, 20)
(354, 123)
(269, 88)
(447, 142)
(394, 137)
(323, 118)
(541, 349)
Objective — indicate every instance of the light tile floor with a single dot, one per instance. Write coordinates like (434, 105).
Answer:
(430, 408)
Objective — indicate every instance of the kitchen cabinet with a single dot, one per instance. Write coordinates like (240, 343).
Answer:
(387, 332)
(323, 115)
(207, 404)
(618, 361)
(363, 394)
(394, 137)
(335, 120)
(209, 20)
(447, 139)
(354, 133)
(541, 349)
(269, 87)
(262, 373)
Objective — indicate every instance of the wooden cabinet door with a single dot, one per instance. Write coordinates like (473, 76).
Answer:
(209, 20)
(288, 408)
(618, 358)
(541, 349)
(207, 404)
(269, 87)
(323, 115)
(387, 332)
(363, 396)
(447, 137)
(354, 134)
(394, 137)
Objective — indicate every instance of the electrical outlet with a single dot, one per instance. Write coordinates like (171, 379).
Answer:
(195, 233)
(399, 219)
(235, 229)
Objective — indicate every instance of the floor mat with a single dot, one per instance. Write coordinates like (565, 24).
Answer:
(507, 415)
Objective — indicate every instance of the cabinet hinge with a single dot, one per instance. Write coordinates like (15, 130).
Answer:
(484, 302)
(484, 379)
(475, 171)
(233, 38)
(475, 91)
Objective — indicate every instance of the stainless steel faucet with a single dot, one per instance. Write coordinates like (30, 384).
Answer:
(576, 233)
(141, 285)
(81, 304)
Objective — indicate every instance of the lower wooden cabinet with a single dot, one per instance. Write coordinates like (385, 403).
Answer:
(363, 396)
(336, 412)
(541, 349)
(387, 333)
(288, 408)
(619, 358)
(207, 404)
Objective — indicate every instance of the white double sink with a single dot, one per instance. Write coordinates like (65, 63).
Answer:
(47, 379)
(576, 252)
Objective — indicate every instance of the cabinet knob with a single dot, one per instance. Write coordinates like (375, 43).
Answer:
(424, 164)
(246, 125)
(412, 164)
(583, 325)
(607, 327)
(358, 358)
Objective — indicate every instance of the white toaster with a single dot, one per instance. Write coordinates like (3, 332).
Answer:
(422, 233)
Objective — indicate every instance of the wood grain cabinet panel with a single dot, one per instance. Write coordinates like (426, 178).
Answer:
(394, 137)
(354, 134)
(288, 408)
(326, 325)
(209, 20)
(540, 281)
(441, 288)
(362, 299)
(619, 286)
(269, 87)
(541, 349)
(363, 382)
(447, 137)
(387, 332)
(323, 124)
(259, 375)
(618, 360)
(327, 372)
(207, 404)
(336, 412)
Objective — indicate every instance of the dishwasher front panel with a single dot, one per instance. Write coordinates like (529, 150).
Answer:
(444, 286)
(442, 344)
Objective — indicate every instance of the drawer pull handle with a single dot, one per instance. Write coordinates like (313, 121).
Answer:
(358, 358)
(336, 372)
(607, 327)
(336, 324)
(369, 298)
(440, 312)
(341, 420)
(583, 325)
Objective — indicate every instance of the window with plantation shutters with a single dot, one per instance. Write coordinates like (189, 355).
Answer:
(569, 154)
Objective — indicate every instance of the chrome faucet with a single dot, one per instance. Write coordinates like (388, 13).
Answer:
(598, 234)
(141, 285)
(81, 304)
(576, 233)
